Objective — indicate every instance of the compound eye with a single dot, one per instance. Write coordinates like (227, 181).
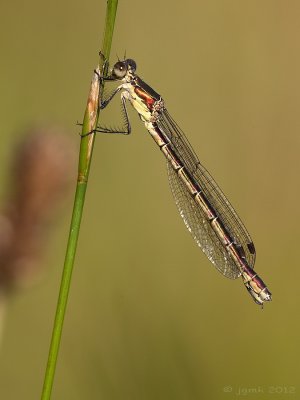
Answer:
(132, 64)
(119, 70)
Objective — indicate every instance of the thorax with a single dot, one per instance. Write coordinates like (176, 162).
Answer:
(142, 97)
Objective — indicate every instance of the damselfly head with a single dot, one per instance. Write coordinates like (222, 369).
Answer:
(121, 68)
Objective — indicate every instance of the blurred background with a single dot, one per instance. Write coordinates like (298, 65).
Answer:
(148, 315)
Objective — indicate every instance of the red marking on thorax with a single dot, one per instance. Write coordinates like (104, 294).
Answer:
(148, 100)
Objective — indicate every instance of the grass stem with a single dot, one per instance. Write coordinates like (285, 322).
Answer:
(85, 156)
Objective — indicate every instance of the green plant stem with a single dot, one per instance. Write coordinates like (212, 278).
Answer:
(86, 149)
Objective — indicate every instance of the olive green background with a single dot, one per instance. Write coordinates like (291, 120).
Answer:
(148, 315)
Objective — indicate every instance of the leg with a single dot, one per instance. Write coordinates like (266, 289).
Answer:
(125, 130)
(103, 104)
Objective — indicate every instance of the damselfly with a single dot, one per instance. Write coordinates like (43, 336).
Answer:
(206, 212)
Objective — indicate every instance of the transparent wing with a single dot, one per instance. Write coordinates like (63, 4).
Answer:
(200, 228)
(193, 215)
